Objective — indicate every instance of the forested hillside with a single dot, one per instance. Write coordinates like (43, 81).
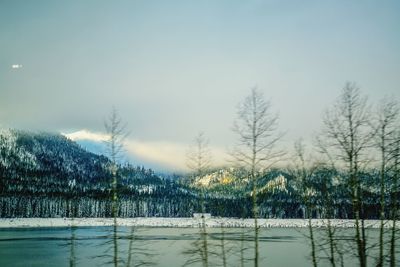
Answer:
(48, 175)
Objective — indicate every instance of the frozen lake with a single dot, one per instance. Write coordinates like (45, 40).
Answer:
(161, 246)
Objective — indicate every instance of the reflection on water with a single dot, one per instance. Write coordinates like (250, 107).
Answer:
(90, 246)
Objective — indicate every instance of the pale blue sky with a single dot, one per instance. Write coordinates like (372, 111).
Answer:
(173, 68)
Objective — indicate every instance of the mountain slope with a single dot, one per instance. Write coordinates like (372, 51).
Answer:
(48, 175)
(46, 162)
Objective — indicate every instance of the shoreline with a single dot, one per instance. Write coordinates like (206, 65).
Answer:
(181, 222)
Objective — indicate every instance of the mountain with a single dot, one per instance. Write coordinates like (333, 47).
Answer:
(49, 175)
(236, 181)
(48, 153)
(42, 162)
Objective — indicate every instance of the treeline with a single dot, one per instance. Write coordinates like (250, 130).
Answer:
(142, 193)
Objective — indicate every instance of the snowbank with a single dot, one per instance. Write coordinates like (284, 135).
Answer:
(177, 222)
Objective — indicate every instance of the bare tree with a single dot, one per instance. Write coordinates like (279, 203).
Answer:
(348, 135)
(315, 186)
(199, 161)
(394, 193)
(139, 253)
(256, 127)
(302, 173)
(223, 248)
(386, 125)
(116, 134)
(72, 256)
(335, 251)
(198, 157)
(242, 248)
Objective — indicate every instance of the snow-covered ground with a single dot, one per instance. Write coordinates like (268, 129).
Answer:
(176, 222)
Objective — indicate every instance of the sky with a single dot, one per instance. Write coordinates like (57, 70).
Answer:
(175, 68)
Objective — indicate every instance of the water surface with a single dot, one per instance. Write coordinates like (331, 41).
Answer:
(93, 246)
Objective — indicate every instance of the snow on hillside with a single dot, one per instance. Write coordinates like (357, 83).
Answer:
(178, 222)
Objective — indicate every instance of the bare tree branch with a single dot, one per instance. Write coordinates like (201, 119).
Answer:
(256, 127)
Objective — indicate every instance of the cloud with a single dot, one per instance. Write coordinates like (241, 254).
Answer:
(167, 155)
(86, 135)
(170, 155)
